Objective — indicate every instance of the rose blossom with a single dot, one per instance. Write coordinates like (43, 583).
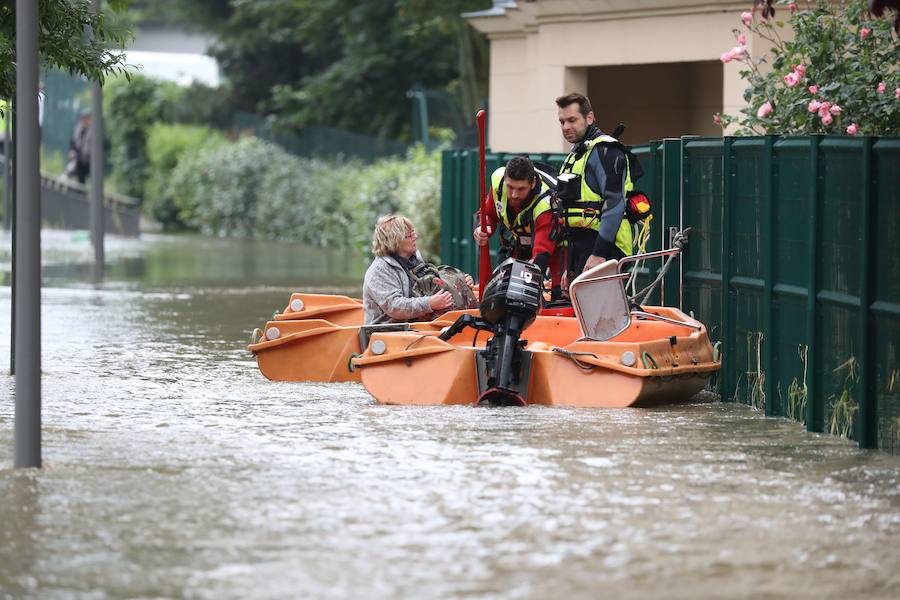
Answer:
(823, 109)
(800, 70)
(827, 119)
(726, 57)
(742, 39)
(897, 93)
(814, 105)
(765, 110)
(792, 79)
(746, 18)
(881, 87)
(792, 6)
(853, 129)
(813, 89)
(864, 33)
(835, 109)
(717, 119)
(738, 52)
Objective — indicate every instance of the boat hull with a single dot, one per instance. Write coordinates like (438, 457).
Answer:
(671, 364)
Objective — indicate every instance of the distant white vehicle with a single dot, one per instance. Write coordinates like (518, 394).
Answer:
(181, 67)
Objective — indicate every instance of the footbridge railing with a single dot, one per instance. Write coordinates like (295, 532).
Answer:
(66, 204)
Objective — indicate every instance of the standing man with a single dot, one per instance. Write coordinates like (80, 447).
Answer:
(519, 200)
(596, 229)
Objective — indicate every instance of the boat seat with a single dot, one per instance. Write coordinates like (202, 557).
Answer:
(601, 306)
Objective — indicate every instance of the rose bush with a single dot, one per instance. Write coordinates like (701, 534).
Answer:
(831, 78)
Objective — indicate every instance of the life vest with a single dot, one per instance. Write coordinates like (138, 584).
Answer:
(522, 227)
(587, 210)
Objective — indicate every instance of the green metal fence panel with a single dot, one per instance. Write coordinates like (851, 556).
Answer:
(791, 207)
(701, 210)
(839, 254)
(884, 262)
(651, 160)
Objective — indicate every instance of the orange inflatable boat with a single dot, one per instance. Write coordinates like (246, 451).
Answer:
(607, 356)
(307, 348)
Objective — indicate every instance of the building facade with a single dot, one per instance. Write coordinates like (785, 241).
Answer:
(650, 64)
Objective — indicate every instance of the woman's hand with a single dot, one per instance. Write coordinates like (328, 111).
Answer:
(469, 281)
(440, 301)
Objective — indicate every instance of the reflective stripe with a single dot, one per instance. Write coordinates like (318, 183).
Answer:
(589, 217)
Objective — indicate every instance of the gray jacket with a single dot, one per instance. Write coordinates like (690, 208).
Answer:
(388, 296)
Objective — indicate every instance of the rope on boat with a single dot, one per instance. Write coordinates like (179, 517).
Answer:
(646, 357)
(350, 360)
(678, 241)
(573, 356)
(416, 341)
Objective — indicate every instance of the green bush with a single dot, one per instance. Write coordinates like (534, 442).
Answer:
(254, 189)
(166, 145)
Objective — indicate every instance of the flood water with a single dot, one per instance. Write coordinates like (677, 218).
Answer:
(172, 468)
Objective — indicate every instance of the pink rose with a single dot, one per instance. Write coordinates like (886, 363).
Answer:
(738, 52)
(746, 18)
(800, 70)
(726, 57)
(864, 33)
(853, 129)
(813, 89)
(897, 93)
(717, 119)
(827, 119)
(792, 6)
(792, 79)
(823, 109)
(742, 39)
(881, 87)
(814, 105)
(765, 110)
(835, 109)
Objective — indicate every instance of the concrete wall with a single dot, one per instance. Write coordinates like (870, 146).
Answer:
(660, 58)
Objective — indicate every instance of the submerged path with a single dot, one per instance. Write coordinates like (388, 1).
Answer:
(172, 468)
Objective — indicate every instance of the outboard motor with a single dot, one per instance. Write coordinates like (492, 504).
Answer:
(510, 303)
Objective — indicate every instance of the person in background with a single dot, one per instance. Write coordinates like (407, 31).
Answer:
(80, 150)
(389, 291)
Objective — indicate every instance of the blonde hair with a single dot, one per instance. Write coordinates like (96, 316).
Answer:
(390, 231)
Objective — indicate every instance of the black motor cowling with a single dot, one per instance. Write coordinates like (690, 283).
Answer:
(513, 289)
(511, 301)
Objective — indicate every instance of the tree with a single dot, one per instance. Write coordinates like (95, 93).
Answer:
(387, 48)
(339, 62)
(62, 40)
(839, 74)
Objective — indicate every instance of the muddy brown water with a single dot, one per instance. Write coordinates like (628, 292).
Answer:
(173, 469)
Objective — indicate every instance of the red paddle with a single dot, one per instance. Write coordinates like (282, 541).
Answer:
(484, 269)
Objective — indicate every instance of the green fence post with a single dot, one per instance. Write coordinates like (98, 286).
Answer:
(727, 269)
(768, 231)
(448, 179)
(815, 409)
(867, 436)
(671, 217)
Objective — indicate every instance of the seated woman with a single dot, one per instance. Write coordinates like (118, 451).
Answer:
(389, 291)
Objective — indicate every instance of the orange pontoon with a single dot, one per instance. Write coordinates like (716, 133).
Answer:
(608, 356)
(318, 349)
